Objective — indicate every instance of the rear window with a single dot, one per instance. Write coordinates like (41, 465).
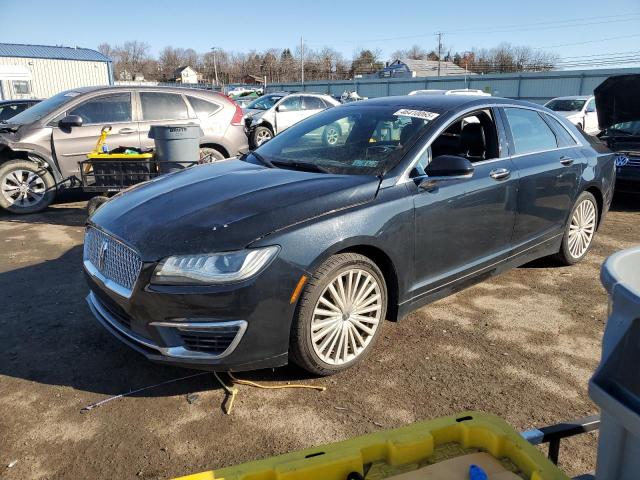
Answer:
(203, 108)
(163, 106)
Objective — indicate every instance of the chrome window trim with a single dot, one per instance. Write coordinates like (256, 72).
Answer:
(405, 176)
(103, 315)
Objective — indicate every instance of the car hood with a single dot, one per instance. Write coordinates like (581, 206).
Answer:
(224, 206)
(253, 113)
(617, 100)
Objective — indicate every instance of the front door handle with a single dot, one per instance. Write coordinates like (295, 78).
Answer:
(500, 173)
(566, 161)
(127, 131)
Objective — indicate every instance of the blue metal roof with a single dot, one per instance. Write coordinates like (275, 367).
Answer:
(51, 52)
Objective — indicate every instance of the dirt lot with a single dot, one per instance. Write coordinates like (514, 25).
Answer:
(521, 346)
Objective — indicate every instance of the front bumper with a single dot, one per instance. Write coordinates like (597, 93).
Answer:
(628, 179)
(224, 328)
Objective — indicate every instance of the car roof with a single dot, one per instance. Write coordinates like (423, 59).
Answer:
(439, 103)
(19, 100)
(142, 87)
(573, 97)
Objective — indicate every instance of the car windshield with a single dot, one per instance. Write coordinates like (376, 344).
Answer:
(625, 128)
(264, 103)
(565, 105)
(358, 140)
(43, 108)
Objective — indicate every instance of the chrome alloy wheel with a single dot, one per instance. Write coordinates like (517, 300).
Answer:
(23, 188)
(332, 135)
(262, 136)
(346, 317)
(582, 228)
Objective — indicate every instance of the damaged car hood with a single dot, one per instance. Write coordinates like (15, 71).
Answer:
(618, 100)
(225, 206)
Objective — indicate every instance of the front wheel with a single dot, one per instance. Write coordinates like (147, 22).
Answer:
(25, 187)
(259, 135)
(580, 230)
(339, 315)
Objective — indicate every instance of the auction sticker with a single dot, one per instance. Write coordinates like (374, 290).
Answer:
(425, 115)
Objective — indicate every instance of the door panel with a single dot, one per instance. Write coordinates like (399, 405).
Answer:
(73, 145)
(464, 224)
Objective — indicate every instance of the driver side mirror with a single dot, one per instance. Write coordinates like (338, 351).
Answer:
(282, 108)
(70, 121)
(446, 167)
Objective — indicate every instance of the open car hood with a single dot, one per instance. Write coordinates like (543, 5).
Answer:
(618, 100)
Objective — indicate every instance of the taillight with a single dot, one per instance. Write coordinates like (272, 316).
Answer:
(238, 117)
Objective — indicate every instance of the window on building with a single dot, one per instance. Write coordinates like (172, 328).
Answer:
(21, 87)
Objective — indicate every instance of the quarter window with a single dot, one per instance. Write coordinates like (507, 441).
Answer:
(105, 109)
(564, 138)
(163, 106)
(530, 132)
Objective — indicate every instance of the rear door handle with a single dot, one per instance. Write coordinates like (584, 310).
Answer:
(127, 131)
(500, 173)
(566, 161)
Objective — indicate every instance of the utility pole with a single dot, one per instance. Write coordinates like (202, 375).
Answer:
(302, 60)
(215, 66)
(439, 34)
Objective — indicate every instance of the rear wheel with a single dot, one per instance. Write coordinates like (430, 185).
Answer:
(25, 187)
(331, 134)
(259, 135)
(580, 230)
(339, 315)
(210, 155)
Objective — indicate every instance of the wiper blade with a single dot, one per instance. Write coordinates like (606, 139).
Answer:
(263, 160)
(305, 166)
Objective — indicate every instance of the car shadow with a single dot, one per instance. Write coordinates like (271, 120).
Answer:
(69, 210)
(625, 203)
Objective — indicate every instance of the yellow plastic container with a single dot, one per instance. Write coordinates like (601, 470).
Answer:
(389, 453)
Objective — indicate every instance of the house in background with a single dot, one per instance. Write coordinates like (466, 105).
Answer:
(185, 75)
(408, 67)
(252, 80)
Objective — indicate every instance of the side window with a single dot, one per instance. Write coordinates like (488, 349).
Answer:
(163, 106)
(473, 136)
(530, 132)
(564, 137)
(291, 104)
(591, 106)
(203, 108)
(313, 103)
(105, 109)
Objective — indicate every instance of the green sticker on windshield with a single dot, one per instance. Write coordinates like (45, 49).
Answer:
(424, 114)
(365, 163)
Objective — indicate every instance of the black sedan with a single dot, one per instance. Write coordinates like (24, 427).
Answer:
(299, 250)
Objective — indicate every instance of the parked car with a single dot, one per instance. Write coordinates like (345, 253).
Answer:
(40, 148)
(579, 110)
(298, 251)
(286, 110)
(618, 107)
(458, 91)
(10, 108)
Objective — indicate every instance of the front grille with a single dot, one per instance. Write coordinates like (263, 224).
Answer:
(214, 340)
(113, 259)
(633, 162)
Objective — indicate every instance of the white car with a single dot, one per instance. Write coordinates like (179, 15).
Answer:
(272, 113)
(458, 91)
(579, 110)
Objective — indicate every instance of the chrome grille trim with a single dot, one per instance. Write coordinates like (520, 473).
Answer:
(116, 265)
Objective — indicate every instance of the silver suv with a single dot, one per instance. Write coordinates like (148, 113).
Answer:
(40, 148)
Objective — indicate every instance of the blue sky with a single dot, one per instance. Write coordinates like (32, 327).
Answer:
(570, 28)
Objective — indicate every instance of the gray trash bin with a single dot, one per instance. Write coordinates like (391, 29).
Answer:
(177, 146)
(615, 385)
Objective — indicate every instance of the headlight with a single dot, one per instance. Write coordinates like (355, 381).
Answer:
(214, 268)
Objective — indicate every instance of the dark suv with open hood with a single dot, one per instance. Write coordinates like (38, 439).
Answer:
(40, 148)
(618, 104)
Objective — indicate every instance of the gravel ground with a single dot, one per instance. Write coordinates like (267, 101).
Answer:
(522, 346)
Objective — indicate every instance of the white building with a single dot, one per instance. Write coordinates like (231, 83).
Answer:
(51, 70)
(185, 75)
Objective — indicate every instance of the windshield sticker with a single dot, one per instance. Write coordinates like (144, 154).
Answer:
(425, 115)
(365, 163)
(72, 94)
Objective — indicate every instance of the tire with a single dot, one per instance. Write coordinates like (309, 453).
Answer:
(331, 135)
(25, 187)
(94, 203)
(326, 359)
(259, 135)
(210, 155)
(583, 220)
